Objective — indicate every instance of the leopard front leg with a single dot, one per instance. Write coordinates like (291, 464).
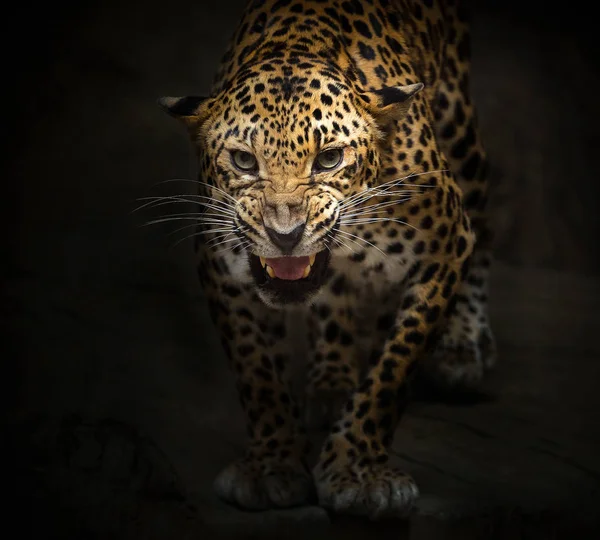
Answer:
(333, 371)
(353, 474)
(273, 472)
(466, 347)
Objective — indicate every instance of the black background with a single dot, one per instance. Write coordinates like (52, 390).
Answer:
(82, 139)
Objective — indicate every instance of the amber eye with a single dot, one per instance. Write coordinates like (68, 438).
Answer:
(244, 161)
(328, 160)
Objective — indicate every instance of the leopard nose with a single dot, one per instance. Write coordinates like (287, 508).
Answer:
(286, 241)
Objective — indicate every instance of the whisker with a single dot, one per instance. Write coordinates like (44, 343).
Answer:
(376, 192)
(242, 244)
(160, 201)
(363, 240)
(218, 190)
(389, 184)
(366, 215)
(191, 236)
(331, 238)
(200, 233)
(216, 240)
(181, 218)
(385, 186)
(216, 224)
(239, 229)
(214, 231)
(199, 216)
(165, 220)
(386, 193)
(342, 244)
(208, 206)
(187, 197)
(411, 175)
(377, 206)
(210, 215)
(368, 190)
(200, 183)
(224, 242)
(367, 221)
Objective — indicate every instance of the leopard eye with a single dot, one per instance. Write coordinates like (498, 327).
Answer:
(244, 161)
(328, 160)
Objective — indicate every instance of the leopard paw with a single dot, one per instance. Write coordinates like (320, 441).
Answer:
(260, 485)
(375, 490)
(487, 346)
(457, 368)
(324, 407)
(460, 359)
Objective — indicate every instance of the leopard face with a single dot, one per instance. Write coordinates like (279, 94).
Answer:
(285, 153)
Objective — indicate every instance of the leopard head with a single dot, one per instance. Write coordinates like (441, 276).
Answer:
(283, 153)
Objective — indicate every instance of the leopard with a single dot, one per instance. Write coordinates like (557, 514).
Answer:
(342, 179)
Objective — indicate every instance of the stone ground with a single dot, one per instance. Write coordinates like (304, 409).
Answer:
(120, 407)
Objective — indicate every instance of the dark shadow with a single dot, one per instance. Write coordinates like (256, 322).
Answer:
(424, 390)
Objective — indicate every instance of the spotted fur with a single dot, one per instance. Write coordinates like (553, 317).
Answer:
(398, 272)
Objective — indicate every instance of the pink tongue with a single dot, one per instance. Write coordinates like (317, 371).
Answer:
(289, 268)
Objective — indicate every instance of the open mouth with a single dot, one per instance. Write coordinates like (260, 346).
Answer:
(290, 280)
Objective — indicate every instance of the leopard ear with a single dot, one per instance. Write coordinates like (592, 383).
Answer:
(391, 103)
(191, 110)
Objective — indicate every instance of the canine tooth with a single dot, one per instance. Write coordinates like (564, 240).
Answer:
(306, 271)
(263, 262)
(270, 271)
(312, 258)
